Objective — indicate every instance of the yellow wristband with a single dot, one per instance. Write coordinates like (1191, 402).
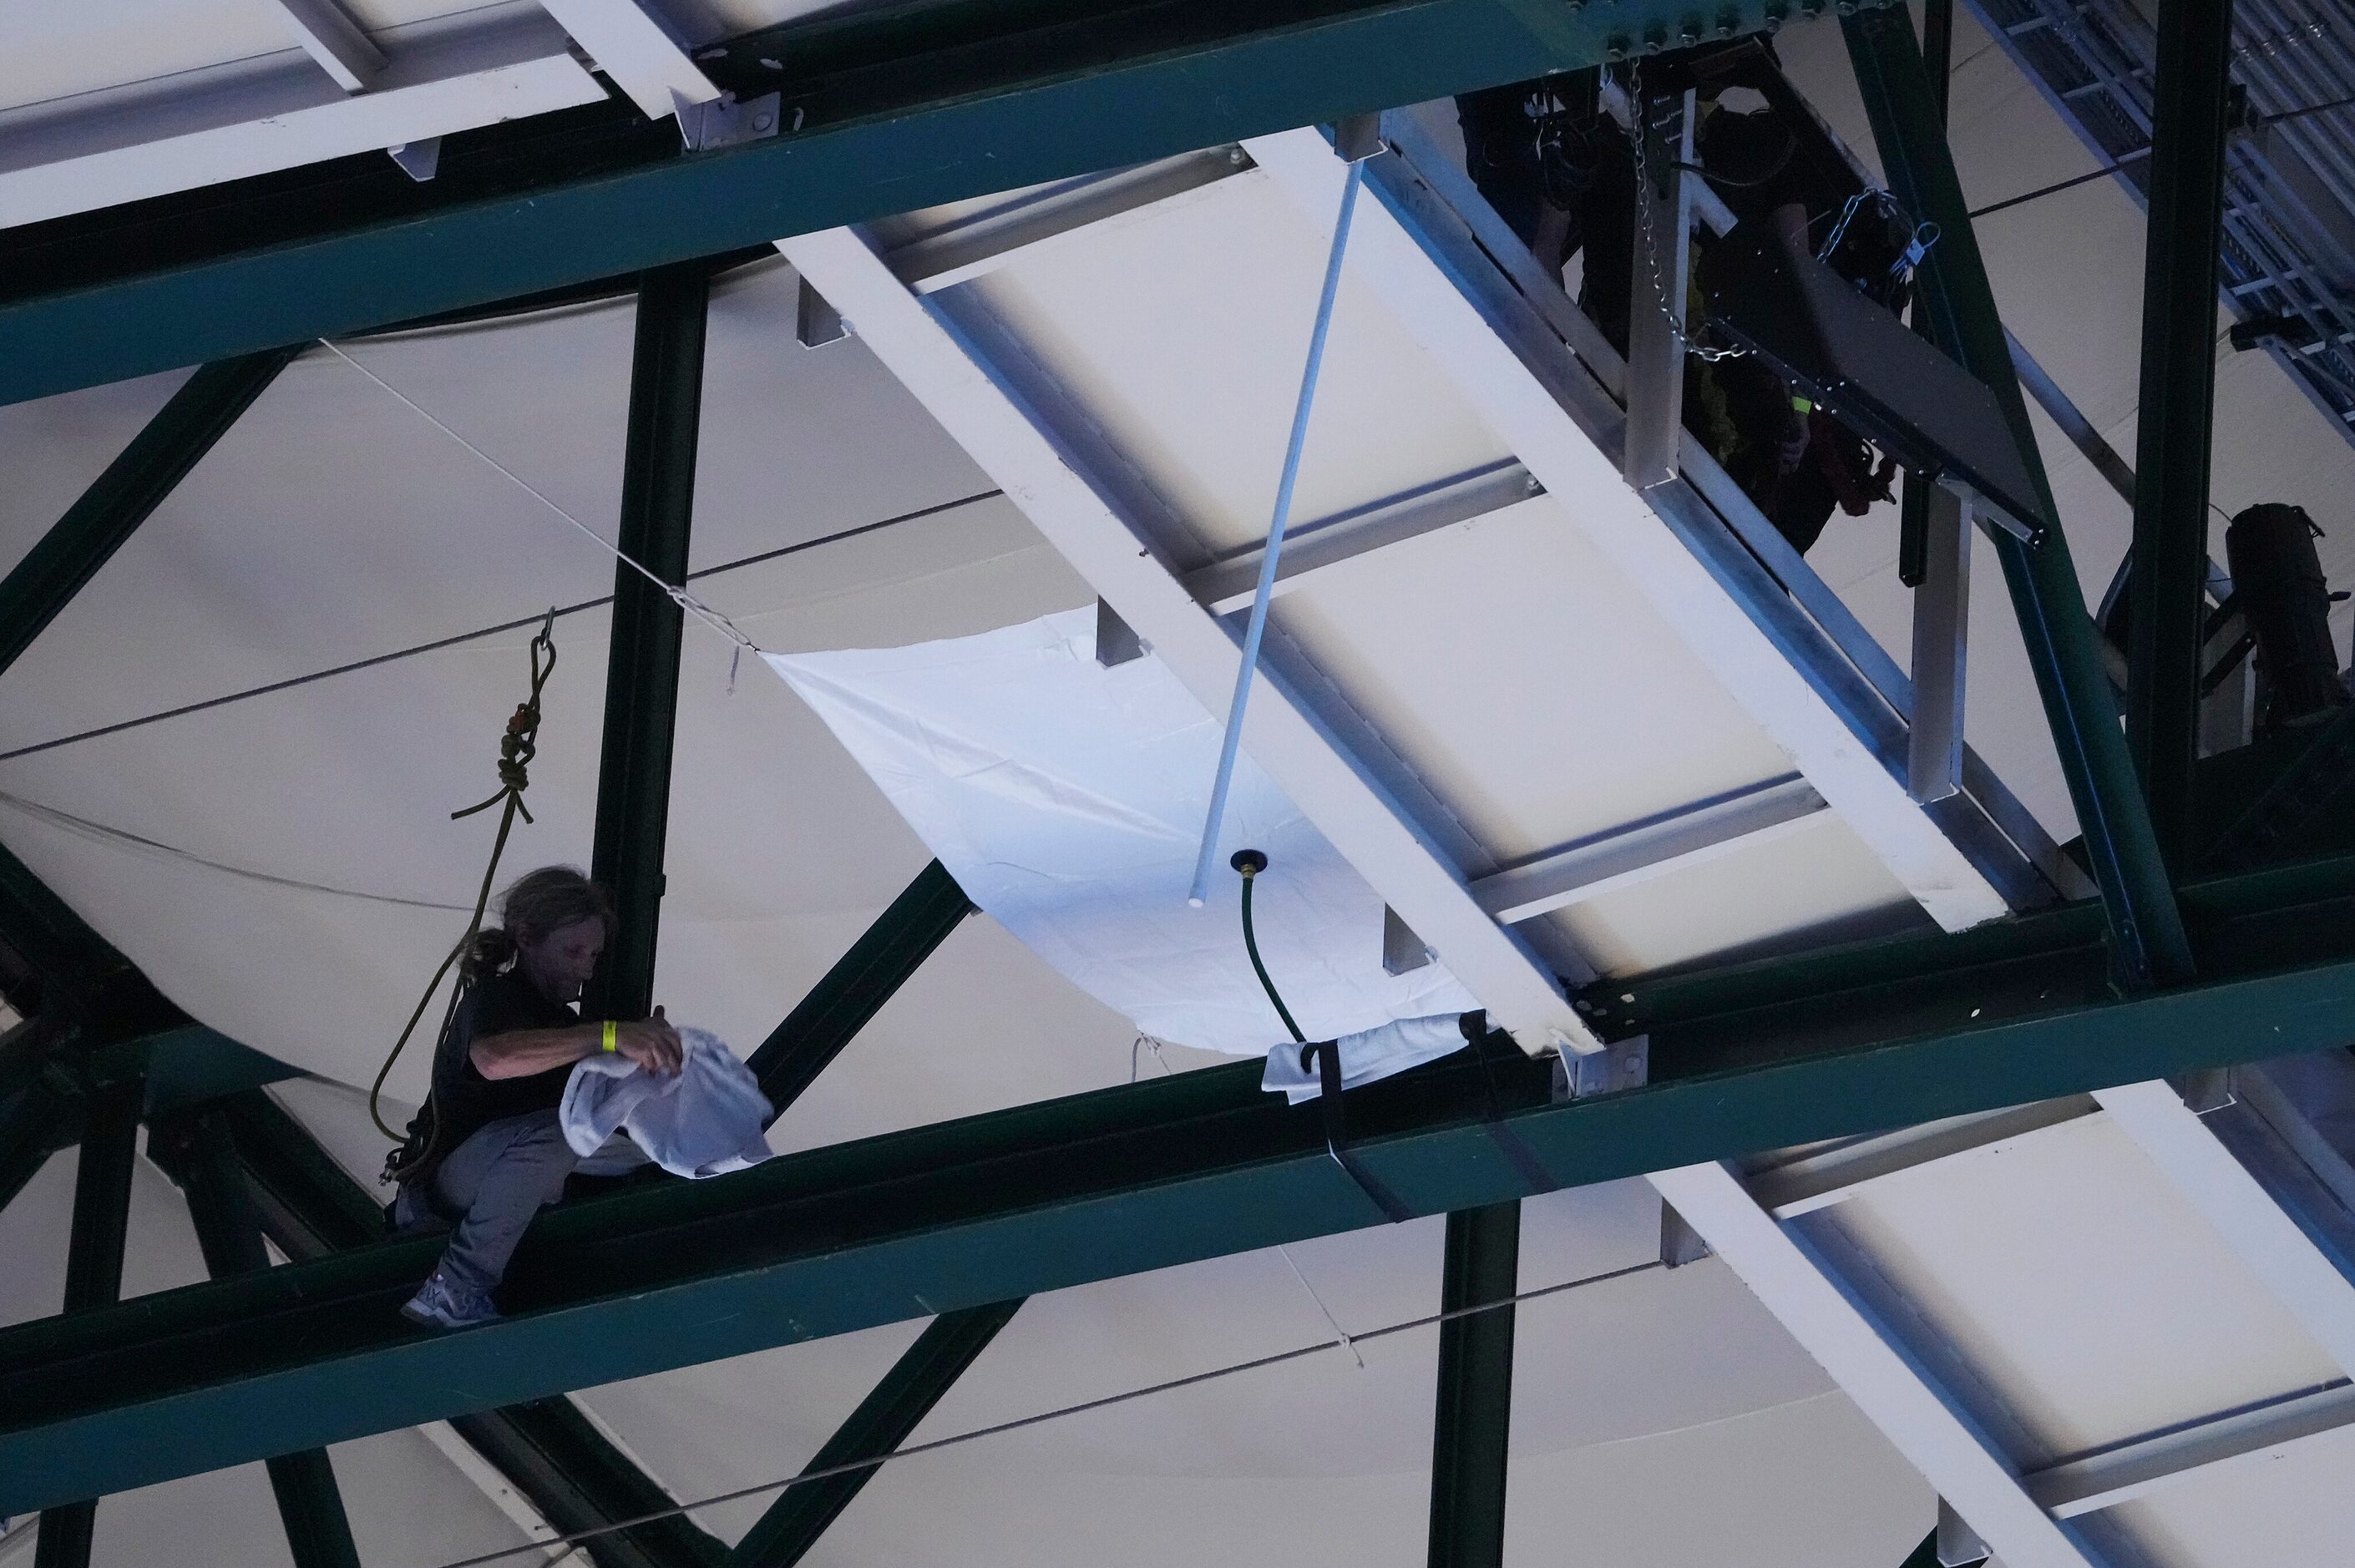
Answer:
(609, 1027)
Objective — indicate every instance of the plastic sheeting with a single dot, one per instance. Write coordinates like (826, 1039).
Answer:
(1067, 799)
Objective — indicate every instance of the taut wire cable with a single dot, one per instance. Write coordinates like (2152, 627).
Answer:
(908, 1451)
(676, 595)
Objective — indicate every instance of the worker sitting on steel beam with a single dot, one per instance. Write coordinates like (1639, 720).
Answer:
(486, 1153)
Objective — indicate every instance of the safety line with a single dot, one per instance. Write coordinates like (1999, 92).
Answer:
(1258, 627)
(477, 635)
(676, 594)
(854, 1466)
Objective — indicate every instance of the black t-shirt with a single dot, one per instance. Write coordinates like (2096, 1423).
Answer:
(463, 1098)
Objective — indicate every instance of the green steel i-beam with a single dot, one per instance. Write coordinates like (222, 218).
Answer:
(1828, 1044)
(102, 1224)
(195, 1149)
(2063, 648)
(2175, 424)
(861, 982)
(1472, 1433)
(642, 669)
(924, 1373)
(133, 486)
(886, 109)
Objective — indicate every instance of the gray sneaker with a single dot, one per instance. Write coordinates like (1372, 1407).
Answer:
(439, 1304)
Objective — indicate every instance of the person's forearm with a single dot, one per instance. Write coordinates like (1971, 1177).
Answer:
(522, 1052)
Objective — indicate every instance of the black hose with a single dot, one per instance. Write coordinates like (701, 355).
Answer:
(1251, 863)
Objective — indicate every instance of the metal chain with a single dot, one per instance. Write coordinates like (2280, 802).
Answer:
(1641, 133)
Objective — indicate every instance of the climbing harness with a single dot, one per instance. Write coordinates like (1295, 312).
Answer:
(1257, 628)
(518, 746)
(1321, 1056)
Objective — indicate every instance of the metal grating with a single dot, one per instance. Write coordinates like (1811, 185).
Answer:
(2289, 213)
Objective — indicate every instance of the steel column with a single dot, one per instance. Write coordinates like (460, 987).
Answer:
(1924, 1555)
(861, 982)
(122, 497)
(924, 1373)
(1472, 1433)
(642, 671)
(548, 1449)
(101, 1222)
(196, 1152)
(2174, 428)
(2063, 648)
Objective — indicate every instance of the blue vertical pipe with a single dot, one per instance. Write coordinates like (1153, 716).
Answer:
(1258, 627)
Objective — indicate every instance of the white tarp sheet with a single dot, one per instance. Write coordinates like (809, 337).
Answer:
(1067, 800)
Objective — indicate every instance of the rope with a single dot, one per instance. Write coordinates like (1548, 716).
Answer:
(518, 746)
(676, 595)
(1257, 628)
(1258, 1363)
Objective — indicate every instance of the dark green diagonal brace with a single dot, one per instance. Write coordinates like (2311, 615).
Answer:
(195, 1151)
(642, 669)
(927, 1371)
(861, 982)
(2063, 648)
(133, 486)
(1473, 1421)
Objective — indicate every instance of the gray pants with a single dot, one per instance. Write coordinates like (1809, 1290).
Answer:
(505, 1172)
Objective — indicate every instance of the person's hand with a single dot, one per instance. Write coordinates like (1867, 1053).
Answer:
(652, 1043)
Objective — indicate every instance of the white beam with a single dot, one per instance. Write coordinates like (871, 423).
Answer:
(333, 40)
(1823, 1176)
(2252, 1224)
(979, 243)
(1529, 389)
(1889, 1383)
(1039, 453)
(637, 48)
(1672, 840)
(515, 66)
(2120, 1474)
(1226, 583)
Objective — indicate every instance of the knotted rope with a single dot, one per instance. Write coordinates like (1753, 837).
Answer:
(518, 746)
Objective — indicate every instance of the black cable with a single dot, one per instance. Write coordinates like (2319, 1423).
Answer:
(854, 1466)
(1251, 863)
(505, 626)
